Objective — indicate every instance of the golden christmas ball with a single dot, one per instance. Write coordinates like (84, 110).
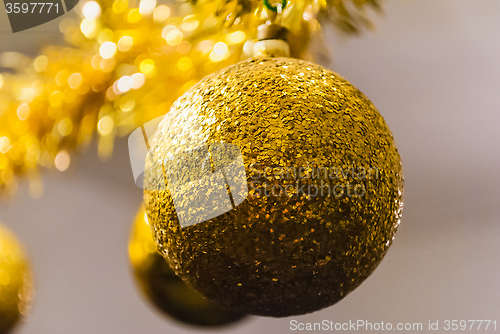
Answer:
(274, 187)
(167, 291)
(16, 281)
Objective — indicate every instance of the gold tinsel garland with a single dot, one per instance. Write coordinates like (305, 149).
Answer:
(127, 63)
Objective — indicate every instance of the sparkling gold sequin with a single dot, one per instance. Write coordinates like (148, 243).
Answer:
(281, 255)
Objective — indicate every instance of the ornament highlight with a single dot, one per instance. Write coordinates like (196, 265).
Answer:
(16, 282)
(164, 289)
(322, 190)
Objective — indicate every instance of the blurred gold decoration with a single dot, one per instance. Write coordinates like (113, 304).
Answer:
(128, 61)
(166, 290)
(16, 282)
(324, 182)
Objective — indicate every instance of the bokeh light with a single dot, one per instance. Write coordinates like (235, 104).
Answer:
(107, 50)
(105, 125)
(62, 161)
(91, 10)
(147, 7)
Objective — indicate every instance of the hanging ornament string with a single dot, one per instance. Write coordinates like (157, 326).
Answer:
(277, 8)
(276, 11)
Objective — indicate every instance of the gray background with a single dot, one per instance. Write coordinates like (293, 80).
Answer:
(433, 69)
